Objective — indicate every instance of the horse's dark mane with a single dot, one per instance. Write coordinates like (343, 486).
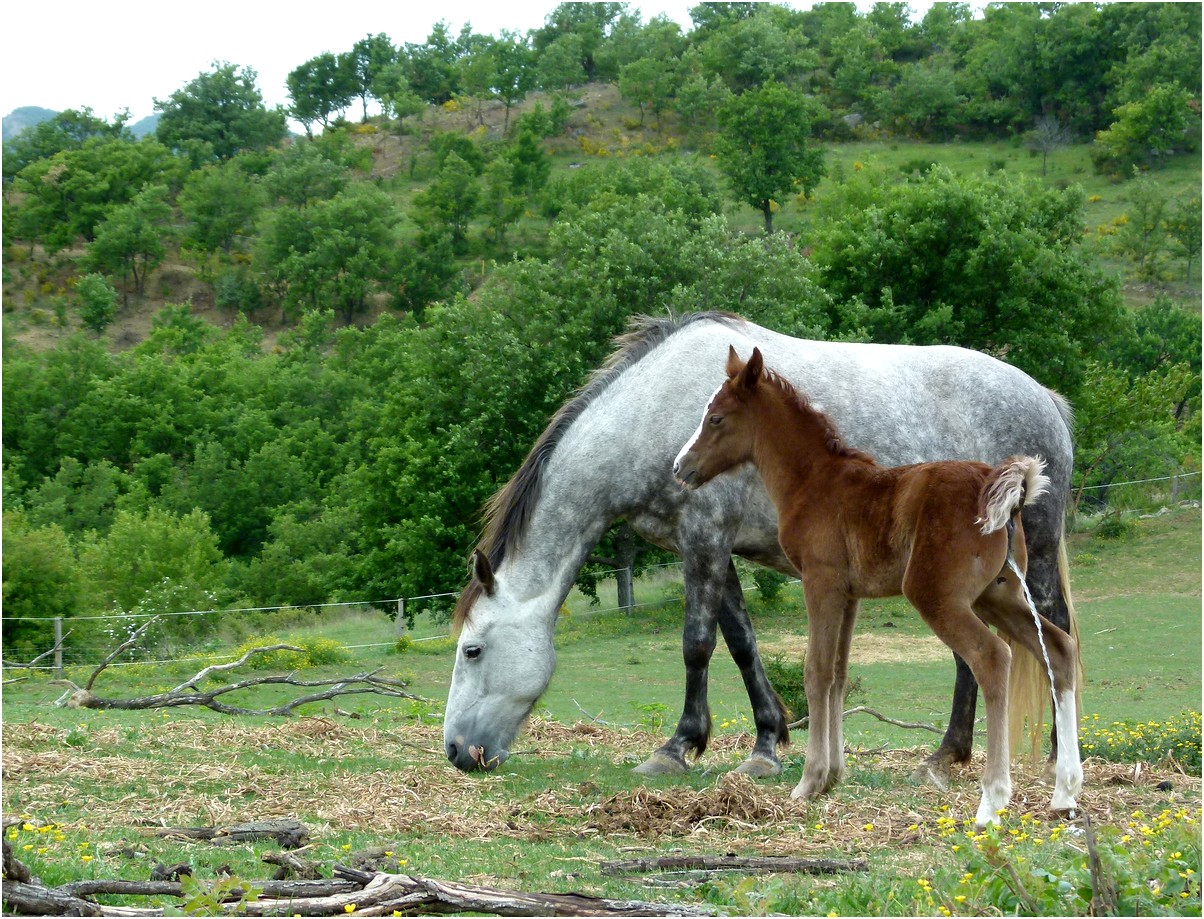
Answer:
(832, 439)
(508, 513)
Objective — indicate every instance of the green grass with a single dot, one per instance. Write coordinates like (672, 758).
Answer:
(89, 784)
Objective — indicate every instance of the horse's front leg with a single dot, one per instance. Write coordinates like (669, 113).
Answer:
(825, 622)
(957, 744)
(704, 583)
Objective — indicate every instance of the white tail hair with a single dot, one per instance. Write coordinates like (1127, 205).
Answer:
(1017, 481)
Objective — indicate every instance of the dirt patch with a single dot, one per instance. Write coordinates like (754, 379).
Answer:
(868, 648)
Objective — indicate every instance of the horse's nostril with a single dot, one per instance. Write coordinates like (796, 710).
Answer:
(452, 752)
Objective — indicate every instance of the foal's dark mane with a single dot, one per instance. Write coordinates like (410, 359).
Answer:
(832, 439)
(508, 513)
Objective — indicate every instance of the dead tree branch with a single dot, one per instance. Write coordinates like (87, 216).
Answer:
(910, 725)
(367, 893)
(754, 864)
(368, 682)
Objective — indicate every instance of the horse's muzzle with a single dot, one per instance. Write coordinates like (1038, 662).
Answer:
(468, 757)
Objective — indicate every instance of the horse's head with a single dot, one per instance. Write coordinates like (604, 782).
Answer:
(504, 662)
(724, 437)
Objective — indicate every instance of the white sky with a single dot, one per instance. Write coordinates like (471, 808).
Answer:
(125, 53)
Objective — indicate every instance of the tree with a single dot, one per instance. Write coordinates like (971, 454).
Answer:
(587, 24)
(514, 64)
(649, 83)
(1145, 130)
(451, 199)
(501, 203)
(222, 111)
(368, 57)
(67, 196)
(1184, 226)
(1142, 236)
(97, 302)
(321, 89)
(41, 582)
(131, 242)
(68, 130)
(763, 147)
(1047, 135)
(986, 262)
(220, 201)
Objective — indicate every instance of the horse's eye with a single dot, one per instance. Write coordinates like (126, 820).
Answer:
(715, 419)
(472, 652)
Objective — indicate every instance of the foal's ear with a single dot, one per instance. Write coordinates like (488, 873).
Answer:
(734, 364)
(483, 572)
(751, 371)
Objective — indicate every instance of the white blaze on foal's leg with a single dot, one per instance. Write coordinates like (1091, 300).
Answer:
(1068, 780)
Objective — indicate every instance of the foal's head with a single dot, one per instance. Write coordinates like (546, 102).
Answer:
(725, 436)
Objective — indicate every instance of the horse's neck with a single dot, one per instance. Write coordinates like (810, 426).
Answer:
(791, 448)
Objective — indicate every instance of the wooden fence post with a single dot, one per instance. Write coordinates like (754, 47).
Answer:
(401, 616)
(58, 647)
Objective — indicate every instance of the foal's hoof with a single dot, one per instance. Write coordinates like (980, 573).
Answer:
(662, 764)
(760, 766)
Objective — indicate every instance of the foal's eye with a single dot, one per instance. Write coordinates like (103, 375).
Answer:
(472, 652)
(714, 420)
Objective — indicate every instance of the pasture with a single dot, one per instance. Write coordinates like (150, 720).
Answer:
(86, 787)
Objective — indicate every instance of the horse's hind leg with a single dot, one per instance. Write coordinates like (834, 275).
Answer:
(769, 714)
(1004, 606)
(954, 623)
(704, 582)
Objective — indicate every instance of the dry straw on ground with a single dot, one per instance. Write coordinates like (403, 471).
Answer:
(397, 783)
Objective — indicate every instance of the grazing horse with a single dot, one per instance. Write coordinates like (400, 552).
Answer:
(945, 535)
(606, 455)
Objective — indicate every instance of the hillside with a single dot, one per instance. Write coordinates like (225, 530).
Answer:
(601, 125)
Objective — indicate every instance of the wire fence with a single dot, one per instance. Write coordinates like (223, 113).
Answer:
(107, 630)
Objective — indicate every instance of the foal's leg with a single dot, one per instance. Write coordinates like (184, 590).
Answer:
(839, 688)
(1005, 606)
(825, 619)
(989, 657)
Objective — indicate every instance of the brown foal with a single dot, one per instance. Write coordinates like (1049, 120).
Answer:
(945, 535)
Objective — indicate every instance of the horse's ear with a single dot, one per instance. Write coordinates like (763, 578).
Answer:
(751, 371)
(734, 364)
(483, 572)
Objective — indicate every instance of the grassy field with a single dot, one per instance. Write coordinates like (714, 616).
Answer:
(87, 787)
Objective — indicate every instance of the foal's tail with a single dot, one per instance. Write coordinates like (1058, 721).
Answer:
(1017, 481)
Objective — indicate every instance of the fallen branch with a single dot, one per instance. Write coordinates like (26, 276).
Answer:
(910, 725)
(755, 864)
(189, 693)
(288, 834)
(17, 665)
(365, 893)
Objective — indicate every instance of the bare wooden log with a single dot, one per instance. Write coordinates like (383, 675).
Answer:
(36, 900)
(755, 864)
(380, 894)
(194, 682)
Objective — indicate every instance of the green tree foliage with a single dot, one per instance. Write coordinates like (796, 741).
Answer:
(367, 58)
(97, 302)
(219, 114)
(331, 254)
(220, 202)
(41, 581)
(1147, 129)
(68, 195)
(68, 130)
(321, 89)
(132, 240)
(764, 147)
(982, 261)
(451, 199)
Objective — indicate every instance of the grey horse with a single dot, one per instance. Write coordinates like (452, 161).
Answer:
(607, 455)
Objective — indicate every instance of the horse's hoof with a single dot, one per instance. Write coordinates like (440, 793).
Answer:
(932, 772)
(661, 764)
(760, 766)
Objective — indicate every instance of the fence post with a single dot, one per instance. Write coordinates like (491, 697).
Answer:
(401, 616)
(58, 647)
